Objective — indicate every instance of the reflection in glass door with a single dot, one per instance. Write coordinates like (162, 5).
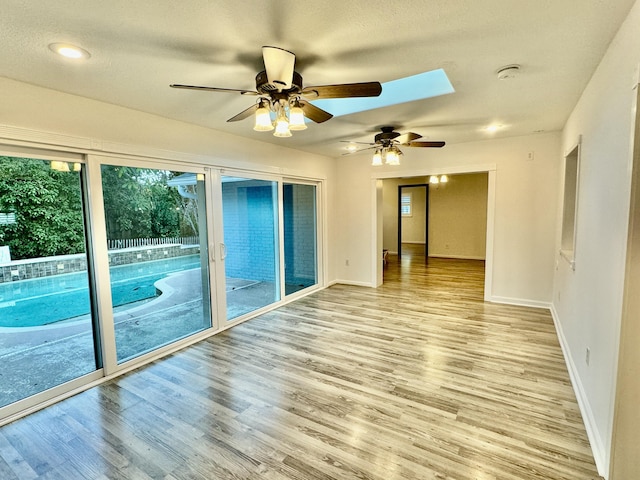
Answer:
(249, 209)
(158, 258)
(46, 322)
(300, 235)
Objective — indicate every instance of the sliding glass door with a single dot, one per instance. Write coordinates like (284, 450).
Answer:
(47, 334)
(250, 245)
(300, 236)
(168, 251)
(158, 259)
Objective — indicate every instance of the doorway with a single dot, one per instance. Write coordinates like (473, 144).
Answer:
(413, 219)
(453, 208)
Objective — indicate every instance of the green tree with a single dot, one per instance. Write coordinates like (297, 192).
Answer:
(139, 203)
(47, 206)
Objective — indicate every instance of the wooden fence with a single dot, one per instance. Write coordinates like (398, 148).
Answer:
(148, 242)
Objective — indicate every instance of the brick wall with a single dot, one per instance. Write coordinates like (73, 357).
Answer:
(299, 206)
(249, 229)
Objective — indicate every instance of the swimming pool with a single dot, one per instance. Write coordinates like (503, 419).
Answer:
(42, 301)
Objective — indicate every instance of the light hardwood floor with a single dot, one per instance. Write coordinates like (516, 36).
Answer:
(418, 379)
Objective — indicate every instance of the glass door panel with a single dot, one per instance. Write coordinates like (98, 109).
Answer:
(300, 236)
(46, 325)
(158, 258)
(249, 209)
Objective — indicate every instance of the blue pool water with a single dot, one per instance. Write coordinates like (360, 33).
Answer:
(47, 300)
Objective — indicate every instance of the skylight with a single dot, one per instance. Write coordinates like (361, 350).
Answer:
(417, 87)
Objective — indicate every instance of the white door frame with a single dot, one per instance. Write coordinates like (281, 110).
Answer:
(376, 202)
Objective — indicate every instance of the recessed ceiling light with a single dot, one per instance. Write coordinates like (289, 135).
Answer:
(492, 128)
(69, 51)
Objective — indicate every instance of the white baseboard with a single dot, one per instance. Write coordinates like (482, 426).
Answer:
(521, 302)
(595, 439)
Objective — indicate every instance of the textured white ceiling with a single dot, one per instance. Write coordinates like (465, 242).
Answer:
(140, 47)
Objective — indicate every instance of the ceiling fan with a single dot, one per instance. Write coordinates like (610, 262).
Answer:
(280, 91)
(386, 145)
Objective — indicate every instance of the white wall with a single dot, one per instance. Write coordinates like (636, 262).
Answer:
(71, 121)
(587, 302)
(526, 203)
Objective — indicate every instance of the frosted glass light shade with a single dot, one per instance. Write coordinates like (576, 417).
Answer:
(392, 157)
(59, 166)
(282, 128)
(263, 120)
(296, 119)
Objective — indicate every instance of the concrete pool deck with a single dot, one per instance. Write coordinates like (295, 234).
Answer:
(33, 359)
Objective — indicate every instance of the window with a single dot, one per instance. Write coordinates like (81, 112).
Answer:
(405, 205)
(570, 204)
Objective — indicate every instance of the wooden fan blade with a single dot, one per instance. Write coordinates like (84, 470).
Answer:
(361, 150)
(407, 137)
(425, 144)
(214, 89)
(358, 143)
(245, 113)
(314, 113)
(345, 90)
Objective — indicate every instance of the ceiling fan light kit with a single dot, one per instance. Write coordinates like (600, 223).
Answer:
(282, 95)
(386, 146)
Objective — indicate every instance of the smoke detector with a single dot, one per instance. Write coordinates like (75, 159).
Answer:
(508, 72)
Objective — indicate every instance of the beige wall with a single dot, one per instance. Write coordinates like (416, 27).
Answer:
(413, 228)
(457, 216)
